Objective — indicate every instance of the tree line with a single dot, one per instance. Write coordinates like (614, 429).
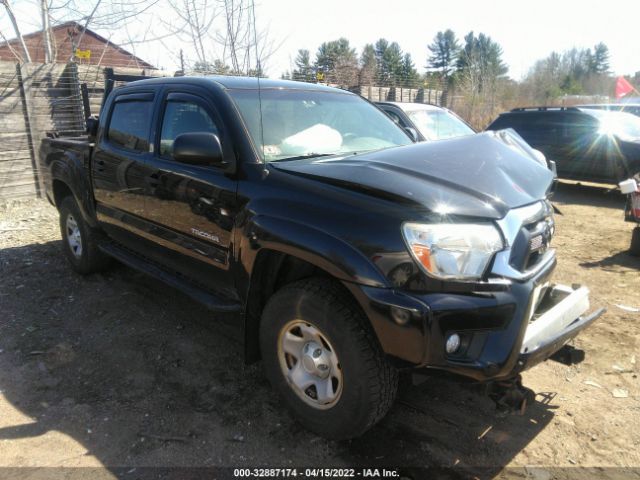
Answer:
(474, 64)
(470, 70)
(577, 71)
(337, 62)
(478, 59)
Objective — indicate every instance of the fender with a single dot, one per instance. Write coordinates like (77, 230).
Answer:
(69, 168)
(317, 247)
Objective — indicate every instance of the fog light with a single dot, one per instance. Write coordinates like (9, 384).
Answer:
(400, 315)
(453, 343)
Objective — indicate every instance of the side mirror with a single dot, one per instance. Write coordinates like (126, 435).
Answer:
(198, 148)
(413, 134)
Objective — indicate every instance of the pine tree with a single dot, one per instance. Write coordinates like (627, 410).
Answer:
(444, 53)
(338, 62)
(368, 65)
(304, 71)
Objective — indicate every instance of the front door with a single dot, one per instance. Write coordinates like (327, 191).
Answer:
(190, 209)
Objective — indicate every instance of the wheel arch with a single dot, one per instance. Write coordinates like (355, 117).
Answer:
(273, 269)
(276, 251)
(69, 177)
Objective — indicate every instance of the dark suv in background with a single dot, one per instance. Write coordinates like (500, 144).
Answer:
(586, 144)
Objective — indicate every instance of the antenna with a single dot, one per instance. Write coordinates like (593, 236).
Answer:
(258, 71)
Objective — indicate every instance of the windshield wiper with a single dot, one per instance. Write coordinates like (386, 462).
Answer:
(306, 155)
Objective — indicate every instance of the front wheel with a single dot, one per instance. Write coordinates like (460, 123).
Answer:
(79, 240)
(321, 355)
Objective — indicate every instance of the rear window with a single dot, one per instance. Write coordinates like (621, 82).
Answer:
(130, 124)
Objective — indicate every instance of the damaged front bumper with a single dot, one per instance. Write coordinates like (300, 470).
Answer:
(501, 333)
(560, 316)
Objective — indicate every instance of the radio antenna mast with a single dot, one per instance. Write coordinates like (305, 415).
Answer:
(258, 72)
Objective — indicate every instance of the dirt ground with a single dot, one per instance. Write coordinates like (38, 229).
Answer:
(119, 371)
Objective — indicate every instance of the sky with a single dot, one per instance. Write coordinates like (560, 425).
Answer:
(527, 31)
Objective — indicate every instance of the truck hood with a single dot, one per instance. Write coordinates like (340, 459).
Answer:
(482, 175)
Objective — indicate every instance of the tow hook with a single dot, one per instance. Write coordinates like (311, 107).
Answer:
(510, 396)
(568, 355)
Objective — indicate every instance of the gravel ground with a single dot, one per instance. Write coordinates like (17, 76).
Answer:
(120, 371)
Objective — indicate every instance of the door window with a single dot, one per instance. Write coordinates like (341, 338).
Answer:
(183, 117)
(129, 125)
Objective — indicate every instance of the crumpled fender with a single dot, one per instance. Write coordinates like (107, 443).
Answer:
(317, 247)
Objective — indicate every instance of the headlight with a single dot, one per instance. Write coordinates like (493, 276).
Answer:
(459, 251)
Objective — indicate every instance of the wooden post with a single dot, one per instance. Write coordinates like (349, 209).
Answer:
(29, 120)
(109, 84)
(86, 106)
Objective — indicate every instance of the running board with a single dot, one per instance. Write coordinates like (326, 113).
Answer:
(208, 299)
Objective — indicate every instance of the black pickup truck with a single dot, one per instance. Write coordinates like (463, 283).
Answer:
(348, 253)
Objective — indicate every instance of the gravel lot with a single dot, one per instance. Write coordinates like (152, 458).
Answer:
(118, 370)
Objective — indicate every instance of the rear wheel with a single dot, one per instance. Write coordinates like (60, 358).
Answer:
(634, 248)
(321, 355)
(79, 240)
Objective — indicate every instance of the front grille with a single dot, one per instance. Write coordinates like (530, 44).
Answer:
(532, 241)
(536, 243)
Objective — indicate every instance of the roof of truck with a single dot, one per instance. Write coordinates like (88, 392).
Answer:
(231, 82)
(412, 106)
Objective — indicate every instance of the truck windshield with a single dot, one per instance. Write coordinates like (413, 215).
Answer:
(301, 123)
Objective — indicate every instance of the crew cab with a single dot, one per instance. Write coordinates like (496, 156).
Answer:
(348, 253)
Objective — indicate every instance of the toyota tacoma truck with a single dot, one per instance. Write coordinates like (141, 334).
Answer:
(348, 253)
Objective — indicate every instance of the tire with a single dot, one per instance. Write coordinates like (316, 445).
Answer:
(634, 248)
(316, 315)
(79, 240)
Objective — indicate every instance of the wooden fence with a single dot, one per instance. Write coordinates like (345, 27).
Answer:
(36, 99)
(399, 94)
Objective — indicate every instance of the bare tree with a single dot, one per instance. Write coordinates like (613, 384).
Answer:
(221, 35)
(46, 31)
(11, 49)
(112, 15)
(16, 29)
(195, 20)
(246, 48)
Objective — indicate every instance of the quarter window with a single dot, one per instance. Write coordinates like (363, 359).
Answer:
(183, 117)
(129, 125)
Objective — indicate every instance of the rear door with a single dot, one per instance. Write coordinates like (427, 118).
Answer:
(122, 148)
(190, 209)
